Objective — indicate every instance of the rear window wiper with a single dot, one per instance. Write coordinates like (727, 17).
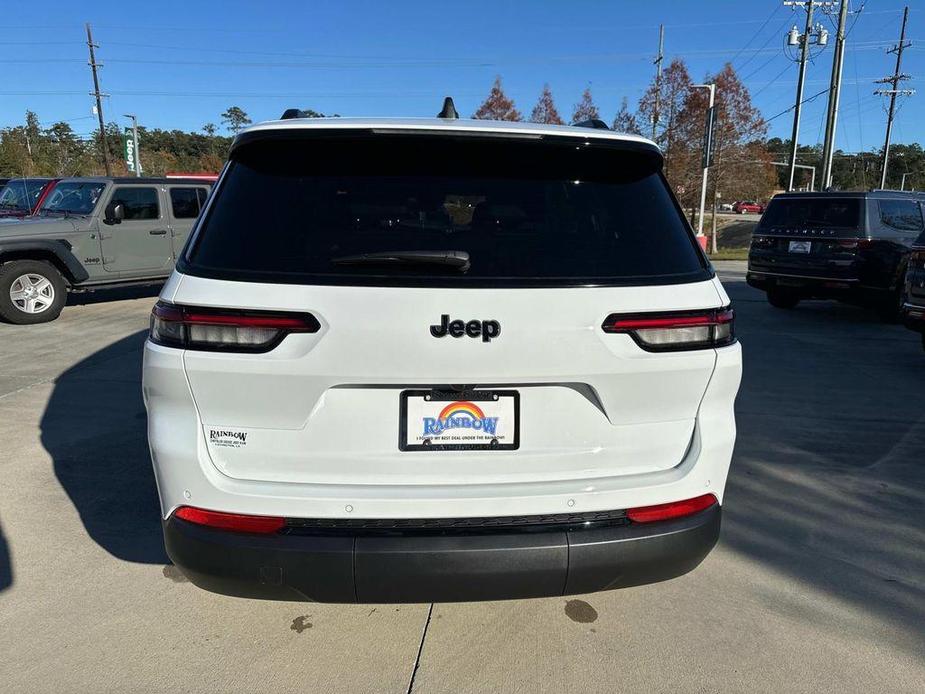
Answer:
(454, 259)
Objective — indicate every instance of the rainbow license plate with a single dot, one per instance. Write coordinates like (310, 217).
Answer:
(475, 420)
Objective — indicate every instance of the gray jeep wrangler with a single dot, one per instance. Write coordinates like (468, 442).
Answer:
(94, 233)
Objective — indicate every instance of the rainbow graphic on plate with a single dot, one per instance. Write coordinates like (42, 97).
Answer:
(461, 414)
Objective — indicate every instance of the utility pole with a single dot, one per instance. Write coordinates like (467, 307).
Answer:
(658, 77)
(831, 118)
(894, 81)
(135, 143)
(794, 38)
(99, 102)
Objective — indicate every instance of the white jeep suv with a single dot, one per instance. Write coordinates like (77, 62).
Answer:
(440, 360)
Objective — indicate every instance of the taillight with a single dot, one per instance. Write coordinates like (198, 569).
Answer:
(235, 522)
(917, 259)
(676, 331)
(674, 509)
(225, 330)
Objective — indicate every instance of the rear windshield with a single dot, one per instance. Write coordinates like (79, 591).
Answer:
(813, 213)
(526, 213)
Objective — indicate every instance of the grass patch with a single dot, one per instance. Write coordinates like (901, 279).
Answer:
(730, 254)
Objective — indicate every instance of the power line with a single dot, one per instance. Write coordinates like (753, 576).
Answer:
(755, 35)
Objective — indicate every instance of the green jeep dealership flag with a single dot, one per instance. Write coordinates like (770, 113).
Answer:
(128, 141)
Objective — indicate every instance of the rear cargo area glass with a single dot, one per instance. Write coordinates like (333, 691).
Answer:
(813, 213)
(528, 212)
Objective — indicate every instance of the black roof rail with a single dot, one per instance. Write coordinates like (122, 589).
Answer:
(595, 123)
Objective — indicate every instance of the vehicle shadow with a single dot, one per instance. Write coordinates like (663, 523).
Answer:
(827, 483)
(6, 563)
(94, 428)
(98, 296)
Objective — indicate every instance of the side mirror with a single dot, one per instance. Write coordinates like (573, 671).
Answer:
(115, 214)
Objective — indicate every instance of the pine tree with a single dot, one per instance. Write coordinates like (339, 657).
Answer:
(235, 118)
(545, 109)
(585, 109)
(497, 106)
(625, 122)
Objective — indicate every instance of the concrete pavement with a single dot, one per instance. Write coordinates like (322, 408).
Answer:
(818, 583)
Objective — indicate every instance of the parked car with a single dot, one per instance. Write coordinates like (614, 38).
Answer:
(412, 360)
(90, 233)
(746, 207)
(913, 310)
(22, 197)
(727, 207)
(847, 246)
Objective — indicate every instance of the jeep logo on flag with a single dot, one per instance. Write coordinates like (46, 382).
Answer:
(486, 329)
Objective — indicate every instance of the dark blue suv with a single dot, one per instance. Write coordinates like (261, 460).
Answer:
(853, 247)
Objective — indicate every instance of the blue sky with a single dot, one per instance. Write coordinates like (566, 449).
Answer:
(180, 64)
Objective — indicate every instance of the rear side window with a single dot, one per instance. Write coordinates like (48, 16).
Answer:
(902, 215)
(186, 202)
(809, 213)
(528, 213)
(138, 203)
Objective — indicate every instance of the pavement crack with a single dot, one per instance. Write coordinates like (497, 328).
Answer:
(417, 660)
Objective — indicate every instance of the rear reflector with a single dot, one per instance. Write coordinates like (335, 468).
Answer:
(225, 330)
(676, 331)
(675, 509)
(235, 522)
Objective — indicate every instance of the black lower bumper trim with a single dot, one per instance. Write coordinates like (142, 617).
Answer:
(429, 568)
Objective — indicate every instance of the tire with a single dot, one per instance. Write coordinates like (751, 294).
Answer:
(890, 309)
(782, 299)
(31, 291)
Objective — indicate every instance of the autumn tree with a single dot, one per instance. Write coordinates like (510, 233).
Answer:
(741, 164)
(235, 118)
(497, 106)
(625, 122)
(545, 109)
(670, 93)
(585, 109)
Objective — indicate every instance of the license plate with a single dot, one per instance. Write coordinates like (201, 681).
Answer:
(431, 420)
(800, 246)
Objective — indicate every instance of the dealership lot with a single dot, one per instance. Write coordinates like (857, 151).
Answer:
(817, 584)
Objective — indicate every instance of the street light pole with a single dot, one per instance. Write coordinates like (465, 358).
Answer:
(135, 143)
(706, 160)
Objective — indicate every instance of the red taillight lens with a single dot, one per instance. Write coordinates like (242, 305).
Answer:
(675, 509)
(665, 332)
(194, 327)
(235, 522)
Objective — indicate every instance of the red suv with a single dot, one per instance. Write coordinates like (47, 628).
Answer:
(23, 197)
(745, 207)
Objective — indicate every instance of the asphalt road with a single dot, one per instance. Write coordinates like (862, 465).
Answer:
(817, 585)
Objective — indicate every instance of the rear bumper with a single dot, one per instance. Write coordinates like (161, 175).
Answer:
(819, 286)
(440, 568)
